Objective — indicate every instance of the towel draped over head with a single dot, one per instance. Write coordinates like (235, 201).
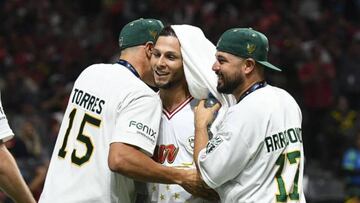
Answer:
(198, 57)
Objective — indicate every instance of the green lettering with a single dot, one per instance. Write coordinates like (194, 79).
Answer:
(84, 100)
(283, 139)
(292, 135)
(298, 134)
(269, 144)
(91, 102)
(276, 141)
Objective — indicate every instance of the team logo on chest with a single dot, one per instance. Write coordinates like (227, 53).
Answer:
(166, 152)
(191, 142)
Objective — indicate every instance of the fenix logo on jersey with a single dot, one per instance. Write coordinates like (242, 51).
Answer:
(144, 130)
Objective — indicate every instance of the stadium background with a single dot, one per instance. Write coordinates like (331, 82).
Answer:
(45, 44)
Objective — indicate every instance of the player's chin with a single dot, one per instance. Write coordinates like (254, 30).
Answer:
(221, 87)
(220, 84)
(160, 83)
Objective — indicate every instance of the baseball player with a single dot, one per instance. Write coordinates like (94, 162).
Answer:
(11, 180)
(110, 128)
(257, 154)
(176, 139)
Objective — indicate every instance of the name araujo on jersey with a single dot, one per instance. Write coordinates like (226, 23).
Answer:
(283, 139)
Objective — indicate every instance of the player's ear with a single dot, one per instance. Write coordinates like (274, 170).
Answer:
(148, 48)
(249, 65)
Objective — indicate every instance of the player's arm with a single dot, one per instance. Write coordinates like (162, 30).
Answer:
(137, 128)
(133, 163)
(233, 150)
(203, 117)
(130, 161)
(11, 180)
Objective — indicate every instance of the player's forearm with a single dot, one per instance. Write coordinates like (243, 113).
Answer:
(11, 180)
(133, 163)
(201, 140)
(204, 115)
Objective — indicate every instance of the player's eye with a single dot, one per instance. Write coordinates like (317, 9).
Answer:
(171, 56)
(221, 60)
(156, 54)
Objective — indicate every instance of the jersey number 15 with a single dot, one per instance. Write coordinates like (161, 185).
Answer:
(81, 137)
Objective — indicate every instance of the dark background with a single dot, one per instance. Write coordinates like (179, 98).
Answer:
(45, 44)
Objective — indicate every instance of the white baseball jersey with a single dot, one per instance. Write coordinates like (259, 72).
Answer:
(257, 154)
(175, 148)
(108, 104)
(5, 131)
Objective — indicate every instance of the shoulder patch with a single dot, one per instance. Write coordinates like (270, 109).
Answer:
(213, 143)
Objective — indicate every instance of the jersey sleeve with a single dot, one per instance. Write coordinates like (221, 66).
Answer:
(219, 159)
(228, 152)
(138, 123)
(5, 131)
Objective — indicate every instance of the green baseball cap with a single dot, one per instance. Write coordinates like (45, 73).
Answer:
(139, 32)
(246, 43)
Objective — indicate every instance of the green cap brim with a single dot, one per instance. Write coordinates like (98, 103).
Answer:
(269, 65)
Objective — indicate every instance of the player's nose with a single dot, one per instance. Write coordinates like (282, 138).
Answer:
(216, 66)
(161, 62)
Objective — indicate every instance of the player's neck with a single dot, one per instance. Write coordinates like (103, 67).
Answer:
(137, 61)
(238, 93)
(173, 97)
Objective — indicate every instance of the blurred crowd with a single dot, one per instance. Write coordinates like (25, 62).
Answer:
(45, 44)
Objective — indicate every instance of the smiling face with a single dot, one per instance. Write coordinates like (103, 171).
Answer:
(167, 63)
(228, 68)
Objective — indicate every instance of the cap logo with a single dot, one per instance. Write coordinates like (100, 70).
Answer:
(250, 48)
(153, 33)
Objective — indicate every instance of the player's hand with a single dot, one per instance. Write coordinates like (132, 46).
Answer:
(205, 115)
(193, 184)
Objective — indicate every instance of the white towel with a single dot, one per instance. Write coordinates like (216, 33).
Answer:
(198, 57)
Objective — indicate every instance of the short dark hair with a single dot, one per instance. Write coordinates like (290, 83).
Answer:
(167, 31)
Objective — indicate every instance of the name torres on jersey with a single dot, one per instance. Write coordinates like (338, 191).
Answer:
(87, 101)
(283, 139)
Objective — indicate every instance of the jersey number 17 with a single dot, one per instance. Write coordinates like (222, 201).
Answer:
(294, 193)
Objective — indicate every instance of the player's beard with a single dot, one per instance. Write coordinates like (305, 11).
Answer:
(166, 85)
(170, 82)
(228, 83)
